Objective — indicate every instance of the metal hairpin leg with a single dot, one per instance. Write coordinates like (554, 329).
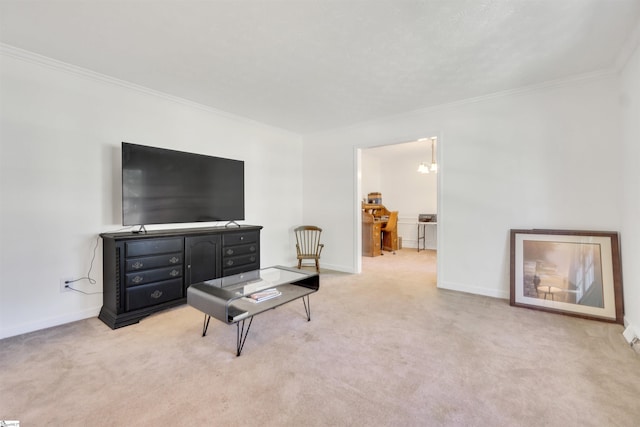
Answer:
(241, 335)
(205, 326)
(307, 307)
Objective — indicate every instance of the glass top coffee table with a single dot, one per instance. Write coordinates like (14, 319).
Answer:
(234, 299)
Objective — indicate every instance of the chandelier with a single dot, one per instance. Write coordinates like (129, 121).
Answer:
(424, 167)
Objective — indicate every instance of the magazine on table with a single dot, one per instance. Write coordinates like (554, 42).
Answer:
(263, 295)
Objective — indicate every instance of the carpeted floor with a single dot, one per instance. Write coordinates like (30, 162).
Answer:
(384, 348)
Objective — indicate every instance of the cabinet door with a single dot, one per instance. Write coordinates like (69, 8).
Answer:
(202, 256)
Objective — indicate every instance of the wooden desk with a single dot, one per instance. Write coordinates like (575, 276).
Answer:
(377, 211)
(371, 244)
(374, 217)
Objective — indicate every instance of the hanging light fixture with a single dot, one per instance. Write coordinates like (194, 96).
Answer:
(434, 165)
(425, 167)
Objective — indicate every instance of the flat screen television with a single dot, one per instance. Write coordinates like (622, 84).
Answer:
(161, 186)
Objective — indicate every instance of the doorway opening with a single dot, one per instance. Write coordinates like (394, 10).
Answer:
(402, 178)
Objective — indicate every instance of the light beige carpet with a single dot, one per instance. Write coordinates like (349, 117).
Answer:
(385, 348)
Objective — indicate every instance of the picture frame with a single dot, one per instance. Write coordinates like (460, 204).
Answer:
(575, 273)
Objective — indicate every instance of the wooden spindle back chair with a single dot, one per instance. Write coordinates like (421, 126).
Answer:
(308, 246)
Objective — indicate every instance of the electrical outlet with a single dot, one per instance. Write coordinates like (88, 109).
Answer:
(64, 287)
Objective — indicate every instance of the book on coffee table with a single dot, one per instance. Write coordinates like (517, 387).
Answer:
(263, 295)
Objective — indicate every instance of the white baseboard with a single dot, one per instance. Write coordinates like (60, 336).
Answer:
(631, 333)
(494, 293)
(49, 323)
(337, 267)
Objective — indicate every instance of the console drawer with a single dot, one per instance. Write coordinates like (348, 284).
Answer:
(153, 293)
(231, 239)
(251, 248)
(145, 263)
(153, 247)
(147, 276)
(237, 261)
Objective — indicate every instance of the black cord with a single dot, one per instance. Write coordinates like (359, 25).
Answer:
(88, 276)
(83, 292)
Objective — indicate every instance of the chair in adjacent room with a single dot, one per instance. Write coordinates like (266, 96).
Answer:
(308, 246)
(389, 233)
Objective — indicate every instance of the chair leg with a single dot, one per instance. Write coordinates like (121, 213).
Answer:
(299, 264)
(317, 266)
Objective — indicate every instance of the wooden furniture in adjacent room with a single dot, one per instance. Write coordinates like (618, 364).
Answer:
(378, 211)
(375, 219)
(390, 233)
(308, 246)
(147, 272)
(371, 242)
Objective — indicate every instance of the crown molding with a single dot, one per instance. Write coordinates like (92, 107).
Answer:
(551, 84)
(45, 61)
(524, 90)
(48, 62)
(628, 48)
(42, 60)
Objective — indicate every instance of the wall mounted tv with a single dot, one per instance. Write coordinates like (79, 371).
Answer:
(161, 186)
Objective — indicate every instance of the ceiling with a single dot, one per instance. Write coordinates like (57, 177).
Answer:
(312, 65)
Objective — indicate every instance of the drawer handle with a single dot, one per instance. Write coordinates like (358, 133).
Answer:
(229, 251)
(174, 273)
(252, 248)
(156, 294)
(241, 237)
(137, 279)
(230, 262)
(253, 259)
(138, 265)
(174, 260)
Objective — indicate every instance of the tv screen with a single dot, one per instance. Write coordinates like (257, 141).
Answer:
(161, 186)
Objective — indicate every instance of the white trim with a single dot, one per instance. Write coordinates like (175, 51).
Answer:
(628, 48)
(49, 322)
(27, 56)
(630, 330)
(440, 233)
(357, 210)
(470, 289)
(551, 84)
(336, 267)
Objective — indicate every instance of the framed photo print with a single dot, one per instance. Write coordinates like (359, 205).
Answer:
(576, 273)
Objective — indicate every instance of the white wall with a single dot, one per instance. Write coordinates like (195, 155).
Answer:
(60, 138)
(630, 236)
(544, 158)
(548, 157)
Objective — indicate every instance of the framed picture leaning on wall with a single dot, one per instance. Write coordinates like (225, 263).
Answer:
(576, 273)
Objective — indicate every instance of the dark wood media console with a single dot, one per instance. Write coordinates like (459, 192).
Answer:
(144, 273)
